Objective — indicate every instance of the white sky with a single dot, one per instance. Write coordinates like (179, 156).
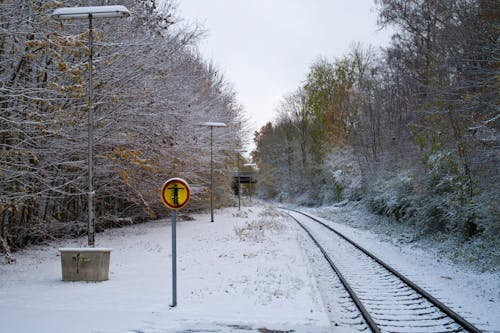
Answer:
(265, 47)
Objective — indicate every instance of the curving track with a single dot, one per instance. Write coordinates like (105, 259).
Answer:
(387, 301)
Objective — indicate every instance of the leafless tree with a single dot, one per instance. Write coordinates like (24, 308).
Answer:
(152, 90)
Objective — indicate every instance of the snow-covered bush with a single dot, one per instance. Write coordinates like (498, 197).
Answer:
(394, 197)
(341, 177)
(442, 203)
(449, 204)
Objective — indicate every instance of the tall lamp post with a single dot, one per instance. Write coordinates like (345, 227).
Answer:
(212, 125)
(70, 13)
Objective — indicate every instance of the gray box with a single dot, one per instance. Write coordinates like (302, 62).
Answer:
(85, 264)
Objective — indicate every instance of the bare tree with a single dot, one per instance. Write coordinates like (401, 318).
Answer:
(152, 90)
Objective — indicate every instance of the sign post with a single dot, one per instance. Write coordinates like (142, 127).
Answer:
(175, 195)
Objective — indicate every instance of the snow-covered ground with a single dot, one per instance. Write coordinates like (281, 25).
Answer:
(244, 272)
(247, 271)
(473, 294)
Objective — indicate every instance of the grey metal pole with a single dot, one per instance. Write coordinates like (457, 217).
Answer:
(174, 258)
(239, 194)
(250, 190)
(90, 114)
(211, 176)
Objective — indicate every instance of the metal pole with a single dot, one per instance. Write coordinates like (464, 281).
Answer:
(211, 177)
(174, 259)
(250, 189)
(90, 114)
(239, 195)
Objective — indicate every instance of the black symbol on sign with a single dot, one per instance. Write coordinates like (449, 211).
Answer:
(175, 193)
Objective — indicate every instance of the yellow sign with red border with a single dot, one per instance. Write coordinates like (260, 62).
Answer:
(175, 193)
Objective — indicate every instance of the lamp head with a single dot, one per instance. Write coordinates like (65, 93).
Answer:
(68, 13)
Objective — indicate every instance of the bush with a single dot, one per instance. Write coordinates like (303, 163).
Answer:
(394, 197)
(441, 209)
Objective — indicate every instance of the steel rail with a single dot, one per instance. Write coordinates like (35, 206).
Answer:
(441, 306)
(366, 315)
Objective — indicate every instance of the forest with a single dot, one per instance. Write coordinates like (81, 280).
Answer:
(411, 130)
(151, 91)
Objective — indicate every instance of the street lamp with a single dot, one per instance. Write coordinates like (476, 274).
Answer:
(69, 13)
(212, 125)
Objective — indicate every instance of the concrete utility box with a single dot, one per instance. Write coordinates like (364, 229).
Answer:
(85, 264)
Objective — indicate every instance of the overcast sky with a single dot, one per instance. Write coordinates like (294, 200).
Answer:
(265, 47)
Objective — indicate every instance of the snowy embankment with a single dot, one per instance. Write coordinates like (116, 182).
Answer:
(244, 272)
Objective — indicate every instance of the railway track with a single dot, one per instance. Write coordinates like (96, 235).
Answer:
(386, 300)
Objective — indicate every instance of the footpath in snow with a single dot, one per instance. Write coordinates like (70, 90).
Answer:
(245, 272)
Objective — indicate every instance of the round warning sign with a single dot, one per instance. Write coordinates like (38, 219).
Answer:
(175, 193)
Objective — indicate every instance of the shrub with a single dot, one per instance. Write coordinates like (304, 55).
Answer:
(394, 197)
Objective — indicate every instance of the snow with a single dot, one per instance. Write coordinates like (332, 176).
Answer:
(243, 272)
(80, 249)
(249, 271)
(473, 294)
